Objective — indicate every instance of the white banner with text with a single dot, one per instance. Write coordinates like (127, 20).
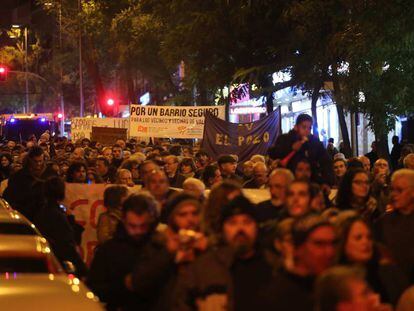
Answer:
(171, 121)
(82, 127)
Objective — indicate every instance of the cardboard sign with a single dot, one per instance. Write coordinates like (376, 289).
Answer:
(108, 135)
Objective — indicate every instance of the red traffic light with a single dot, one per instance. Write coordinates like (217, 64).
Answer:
(60, 116)
(110, 102)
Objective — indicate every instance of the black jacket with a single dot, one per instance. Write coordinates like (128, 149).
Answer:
(396, 231)
(154, 276)
(52, 222)
(177, 180)
(210, 280)
(312, 150)
(21, 193)
(113, 260)
(289, 292)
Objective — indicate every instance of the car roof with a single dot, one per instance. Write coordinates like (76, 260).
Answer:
(46, 292)
(23, 244)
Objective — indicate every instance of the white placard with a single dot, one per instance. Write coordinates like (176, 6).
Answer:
(170, 121)
(82, 127)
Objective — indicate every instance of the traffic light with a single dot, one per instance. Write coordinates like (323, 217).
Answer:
(3, 73)
(110, 102)
(110, 106)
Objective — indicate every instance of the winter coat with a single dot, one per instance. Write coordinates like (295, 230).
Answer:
(112, 262)
(20, 192)
(208, 283)
(52, 222)
(154, 276)
(396, 231)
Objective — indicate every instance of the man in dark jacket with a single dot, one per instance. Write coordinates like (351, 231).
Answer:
(116, 258)
(19, 192)
(396, 228)
(299, 144)
(232, 276)
(271, 210)
(171, 169)
(259, 178)
(158, 265)
(228, 165)
(314, 252)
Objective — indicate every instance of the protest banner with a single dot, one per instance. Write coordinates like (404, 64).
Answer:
(242, 139)
(171, 121)
(108, 135)
(85, 203)
(82, 127)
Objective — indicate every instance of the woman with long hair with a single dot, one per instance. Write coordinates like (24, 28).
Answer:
(354, 194)
(220, 195)
(357, 248)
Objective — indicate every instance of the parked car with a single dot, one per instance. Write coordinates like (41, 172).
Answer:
(31, 278)
(43, 291)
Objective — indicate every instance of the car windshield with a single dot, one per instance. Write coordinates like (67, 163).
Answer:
(16, 228)
(23, 265)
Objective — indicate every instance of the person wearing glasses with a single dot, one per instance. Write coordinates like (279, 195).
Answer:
(354, 194)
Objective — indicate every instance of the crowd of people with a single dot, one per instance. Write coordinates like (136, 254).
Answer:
(335, 233)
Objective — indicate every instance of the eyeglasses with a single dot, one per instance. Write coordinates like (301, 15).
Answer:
(361, 182)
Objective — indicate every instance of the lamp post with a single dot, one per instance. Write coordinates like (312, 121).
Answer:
(81, 99)
(62, 102)
(26, 71)
(48, 5)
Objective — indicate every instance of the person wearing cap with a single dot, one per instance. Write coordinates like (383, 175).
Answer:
(232, 275)
(300, 144)
(227, 165)
(291, 289)
(158, 266)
